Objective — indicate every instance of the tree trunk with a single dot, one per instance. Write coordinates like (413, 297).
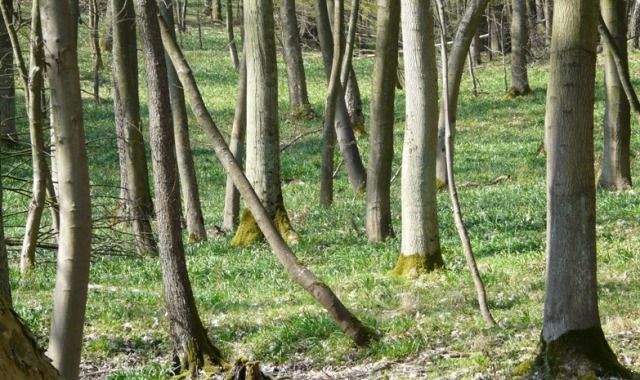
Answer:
(74, 245)
(344, 130)
(299, 105)
(8, 129)
(263, 136)
(217, 10)
(20, 356)
(233, 50)
(616, 155)
(420, 233)
(353, 101)
(382, 120)
(128, 127)
(94, 34)
(519, 49)
(457, 57)
(5, 283)
(634, 28)
(186, 166)
(237, 146)
(548, 20)
(572, 338)
(192, 348)
(359, 333)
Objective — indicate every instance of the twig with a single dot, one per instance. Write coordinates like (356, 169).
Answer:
(397, 174)
(303, 134)
(335, 173)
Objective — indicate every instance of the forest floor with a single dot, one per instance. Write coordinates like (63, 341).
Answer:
(429, 326)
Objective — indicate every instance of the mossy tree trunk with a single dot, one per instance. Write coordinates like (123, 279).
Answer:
(572, 340)
(616, 155)
(5, 283)
(382, 119)
(360, 334)
(263, 135)
(186, 165)
(519, 49)
(192, 348)
(132, 151)
(8, 130)
(299, 106)
(457, 58)
(74, 245)
(420, 233)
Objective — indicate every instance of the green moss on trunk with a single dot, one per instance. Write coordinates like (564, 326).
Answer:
(414, 265)
(581, 354)
(302, 112)
(249, 233)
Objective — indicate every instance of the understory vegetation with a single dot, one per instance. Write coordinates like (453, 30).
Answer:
(429, 326)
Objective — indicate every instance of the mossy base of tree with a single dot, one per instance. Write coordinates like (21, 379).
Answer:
(302, 112)
(514, 92)
(412, 266)
(246, 370)
(196, 359)
(359, 130)
(248, 232)
(580, 354)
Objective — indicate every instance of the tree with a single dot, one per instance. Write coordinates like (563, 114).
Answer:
(131, 148)
(519, 49)
(20, 356)
(233, 50)
(634, 28)
(382, 120)
(74, 245)
(8, 129)
(572, 341)
(263, 137)
(191, 347)
(299, 106)
(5, 284)
(616, 156)
(420, 232)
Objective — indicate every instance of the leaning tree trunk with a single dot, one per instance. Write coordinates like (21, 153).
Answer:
(20, 356)
(191, 347)
(382, 120)
(360, 334)
(129, 129)
(420, 233)
(344, 130)
(573, 343)
(186, 166)
(616, 155)
(74, 245)
(457, 57)
(8, 129)
(263, 137)
(519, 49)
(299, 106)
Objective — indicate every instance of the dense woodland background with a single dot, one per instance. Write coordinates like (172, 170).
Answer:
(412, 321)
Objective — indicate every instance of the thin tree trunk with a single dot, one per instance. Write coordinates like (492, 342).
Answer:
(616, 154)
(5, 280)
(94, 33)
(217, 10)
(233, 50)
(360, 334)
(634, 28)
(8, 130)
(74, 245)
(548, 20)
(186, 165)
(519, 49)
(191, 346)
(129, 129)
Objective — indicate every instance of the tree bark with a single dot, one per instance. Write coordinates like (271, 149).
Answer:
(548, 18)
(572, 334)
(616, 155)
(74, 245)
(634, 28)
(5, 281)
(192, 348)
(129, 129)
(233, 50)
(186, 166)
(420, 232)
(8, 130)
(519, 49)
(360, 334)
(94, 34)
(382, 119)
(457, 57)
(299, 106)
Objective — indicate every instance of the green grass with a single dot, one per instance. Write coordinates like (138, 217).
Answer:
(251, 308)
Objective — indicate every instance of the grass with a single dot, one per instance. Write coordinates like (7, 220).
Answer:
(251, 308)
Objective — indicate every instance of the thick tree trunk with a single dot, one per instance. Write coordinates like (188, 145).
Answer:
(8, 129)
(192, 348)
(74, 245)
(129, 129)
(572, 338)
(382, 119)
(457, 57)
(519, 49)
(20, 356)
(263, 135)
(299, 106)
(231, 217)
(344, 130)
(186, 166)
(616, 155)
(420, 232)
(233, 50)
(359, 333)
